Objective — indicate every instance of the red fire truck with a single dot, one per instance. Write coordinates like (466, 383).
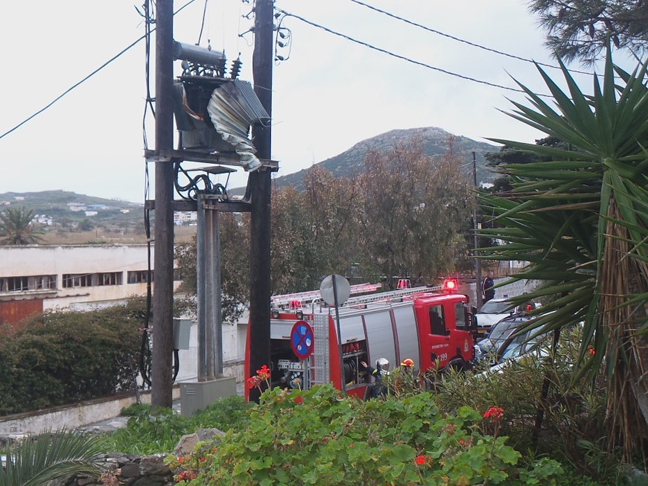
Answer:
(432, 326)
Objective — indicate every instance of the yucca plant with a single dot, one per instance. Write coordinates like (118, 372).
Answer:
(56, 455)
(581, 221)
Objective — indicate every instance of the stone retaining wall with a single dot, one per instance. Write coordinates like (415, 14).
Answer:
(123, 470)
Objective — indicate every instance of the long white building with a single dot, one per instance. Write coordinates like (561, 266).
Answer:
(36, 278)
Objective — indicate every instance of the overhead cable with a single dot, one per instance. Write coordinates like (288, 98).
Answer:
(76, 85)
(398, 56)
(458, 39)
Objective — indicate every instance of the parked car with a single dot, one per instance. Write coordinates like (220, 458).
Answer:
(498, 334)
(494, 311)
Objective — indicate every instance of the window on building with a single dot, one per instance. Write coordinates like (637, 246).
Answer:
(92, 279)
(139, 276)
(112, 278)
(25, 283)
(71, 280)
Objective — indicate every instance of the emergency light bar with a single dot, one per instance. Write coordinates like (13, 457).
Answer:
(450, 285)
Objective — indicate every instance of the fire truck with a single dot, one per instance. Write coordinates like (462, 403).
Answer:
(433, 326)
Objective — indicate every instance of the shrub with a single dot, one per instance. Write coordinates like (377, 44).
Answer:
(573, 415)
(66, 357)
(149, 431)
(320, 437)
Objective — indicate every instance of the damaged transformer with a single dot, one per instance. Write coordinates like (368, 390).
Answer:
(214, 112)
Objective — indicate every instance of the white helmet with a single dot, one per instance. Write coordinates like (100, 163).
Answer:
(382, 364)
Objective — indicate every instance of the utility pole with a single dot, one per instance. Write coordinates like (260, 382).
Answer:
(478, 282)
(161, 379)
(260, 191)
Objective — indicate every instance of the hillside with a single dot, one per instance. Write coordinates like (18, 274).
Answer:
(68, 211)
(436, 142)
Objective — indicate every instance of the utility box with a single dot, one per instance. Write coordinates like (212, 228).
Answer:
(181, 333)
(198, 395)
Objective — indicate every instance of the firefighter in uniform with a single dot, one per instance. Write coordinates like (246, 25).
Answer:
(377, 389)
(488, 291)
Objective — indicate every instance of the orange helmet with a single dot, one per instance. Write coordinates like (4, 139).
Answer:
(407, 363)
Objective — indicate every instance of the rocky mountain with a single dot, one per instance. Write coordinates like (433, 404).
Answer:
(436, 142)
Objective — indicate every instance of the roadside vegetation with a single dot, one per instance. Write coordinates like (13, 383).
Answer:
(474, 428)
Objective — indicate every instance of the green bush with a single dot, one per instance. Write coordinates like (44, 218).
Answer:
(320, 437)
(149, 432)
(573, 413)
(66, 357)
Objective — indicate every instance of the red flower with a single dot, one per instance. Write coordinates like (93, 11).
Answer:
(494, 413)
(420, 460)
(264, 372)
(298, 399)
(253, 381)
(465, 443)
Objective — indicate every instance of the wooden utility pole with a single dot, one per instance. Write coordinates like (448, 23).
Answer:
(161, 379)
(260, 191)
(478, 282)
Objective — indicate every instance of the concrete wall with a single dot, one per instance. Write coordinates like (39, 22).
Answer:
(70, 416)
(233, 353)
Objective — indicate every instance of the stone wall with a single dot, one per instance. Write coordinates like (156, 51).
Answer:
(123, 470)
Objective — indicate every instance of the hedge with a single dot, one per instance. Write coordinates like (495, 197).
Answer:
(66, 357)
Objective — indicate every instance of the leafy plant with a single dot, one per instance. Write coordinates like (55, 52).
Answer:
(149, 431)
(66, 357)
(57, 455)
(581, 221)
(16, 227)
(320, 437)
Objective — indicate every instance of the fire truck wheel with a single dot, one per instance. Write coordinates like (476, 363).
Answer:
(454, 366)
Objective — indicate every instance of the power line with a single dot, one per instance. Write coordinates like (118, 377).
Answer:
(76, 85)
(398, 56)
(458, 39)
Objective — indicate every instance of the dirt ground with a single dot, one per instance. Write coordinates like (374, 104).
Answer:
(99, 236)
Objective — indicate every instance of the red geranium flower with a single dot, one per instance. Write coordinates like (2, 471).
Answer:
(420, 460)
(253, 381)
(264, 372)
(494, 413)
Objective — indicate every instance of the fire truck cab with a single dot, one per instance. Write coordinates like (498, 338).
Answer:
(432, 326)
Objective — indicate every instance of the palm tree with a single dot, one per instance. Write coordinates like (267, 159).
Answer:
(16, 227)
(581, 221)
(59, 455)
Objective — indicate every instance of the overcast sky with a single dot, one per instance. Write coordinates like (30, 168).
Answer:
(330, 94)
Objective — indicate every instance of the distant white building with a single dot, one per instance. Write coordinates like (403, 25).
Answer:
(77, 207)
(186, 217)
(36, 278)
(91, 213)
(43, 219)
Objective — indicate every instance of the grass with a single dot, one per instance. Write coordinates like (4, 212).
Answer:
(149, 432)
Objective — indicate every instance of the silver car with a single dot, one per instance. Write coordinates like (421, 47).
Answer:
(491, 313)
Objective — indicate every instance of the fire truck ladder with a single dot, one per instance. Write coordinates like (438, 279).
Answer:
(309, 297)
(389, 296)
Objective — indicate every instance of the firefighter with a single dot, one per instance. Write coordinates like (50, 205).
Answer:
(487, 287)
(377, 388)
(408, 363)
(407, 379)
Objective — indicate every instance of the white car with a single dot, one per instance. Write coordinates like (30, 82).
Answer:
(491, 313)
